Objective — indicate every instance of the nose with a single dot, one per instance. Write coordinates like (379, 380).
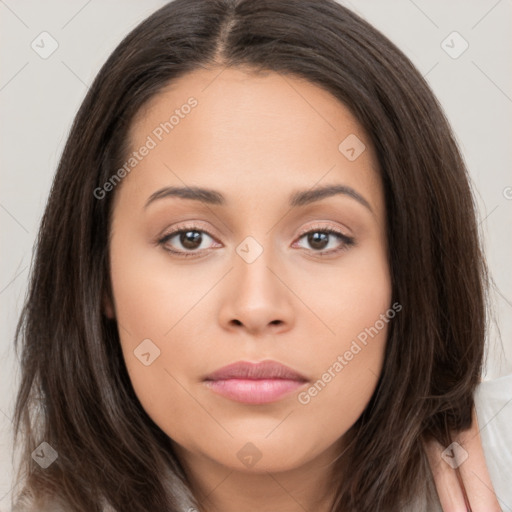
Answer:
(256, 298)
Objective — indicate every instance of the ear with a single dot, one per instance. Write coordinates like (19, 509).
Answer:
(107, 306)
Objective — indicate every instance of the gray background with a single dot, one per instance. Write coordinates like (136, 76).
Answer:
(39, 98)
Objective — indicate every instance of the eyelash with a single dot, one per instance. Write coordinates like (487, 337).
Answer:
(346, 240)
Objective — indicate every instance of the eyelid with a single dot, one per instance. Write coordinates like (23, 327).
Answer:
(187, 226)
(323, 227)
(347, 240)
(190, 225)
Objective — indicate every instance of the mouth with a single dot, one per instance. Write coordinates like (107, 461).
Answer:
(255, 383)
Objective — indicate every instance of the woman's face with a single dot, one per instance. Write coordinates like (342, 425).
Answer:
(244, 282)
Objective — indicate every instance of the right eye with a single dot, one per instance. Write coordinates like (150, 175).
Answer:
(190, 238)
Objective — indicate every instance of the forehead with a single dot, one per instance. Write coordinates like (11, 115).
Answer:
(229, 127)
(257, 102)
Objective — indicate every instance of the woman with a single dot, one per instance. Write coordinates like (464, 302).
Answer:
(258, 281)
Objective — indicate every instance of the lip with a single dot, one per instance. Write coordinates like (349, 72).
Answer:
(255, 383)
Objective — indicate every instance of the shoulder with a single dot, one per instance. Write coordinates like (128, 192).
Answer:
(493, 404)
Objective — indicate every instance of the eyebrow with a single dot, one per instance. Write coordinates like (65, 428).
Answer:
(297, 199)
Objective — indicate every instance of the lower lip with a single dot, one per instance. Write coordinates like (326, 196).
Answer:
(252, 391)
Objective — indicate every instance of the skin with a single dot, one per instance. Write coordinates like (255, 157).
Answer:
(473, 472)
(255, 139)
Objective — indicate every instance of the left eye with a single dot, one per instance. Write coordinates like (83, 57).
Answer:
(319, 240)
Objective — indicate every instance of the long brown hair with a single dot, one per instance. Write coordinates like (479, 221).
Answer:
(75, 393)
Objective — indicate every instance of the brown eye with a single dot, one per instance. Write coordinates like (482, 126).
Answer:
(188, 241)
(319, 240)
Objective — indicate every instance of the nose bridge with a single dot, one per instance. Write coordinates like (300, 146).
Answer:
(255, 281)
(256, 298)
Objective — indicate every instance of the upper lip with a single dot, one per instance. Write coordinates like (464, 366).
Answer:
(263, 370)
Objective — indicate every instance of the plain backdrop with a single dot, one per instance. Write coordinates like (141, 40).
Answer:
(470, 72)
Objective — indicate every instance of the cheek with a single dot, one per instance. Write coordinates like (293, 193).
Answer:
(345, 381)
(356, 305)
(152, 295)
(157, 310)
(352, 299)
(348, 364)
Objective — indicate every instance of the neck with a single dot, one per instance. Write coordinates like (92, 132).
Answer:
(218, 488)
